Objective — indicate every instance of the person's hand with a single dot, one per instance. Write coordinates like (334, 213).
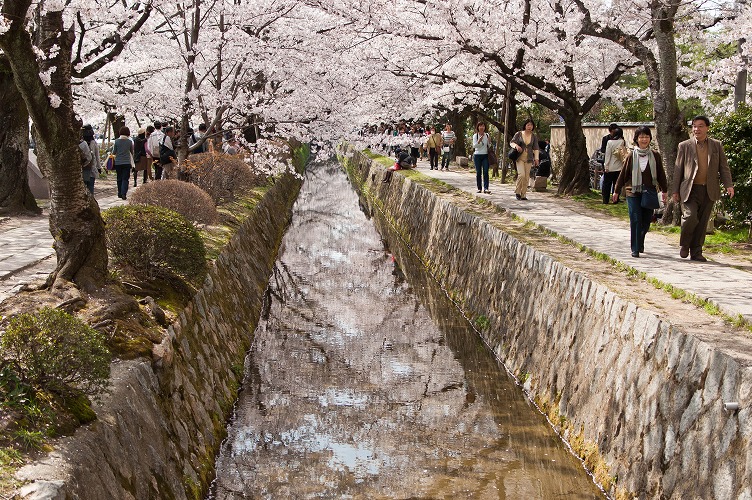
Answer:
(730, 191)
(536, 162)
(675, 197)
(519, 148)
(665, 197)
(615, 197)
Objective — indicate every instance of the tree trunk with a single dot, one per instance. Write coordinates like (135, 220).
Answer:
(459, 125)
(510, 128)
(669, 120)
(75, 221)
(15, 194)
(575, 176)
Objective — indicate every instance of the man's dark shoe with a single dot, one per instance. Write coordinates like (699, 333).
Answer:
(636, 254)
(518, 196)
(698, 258)
(684, 252)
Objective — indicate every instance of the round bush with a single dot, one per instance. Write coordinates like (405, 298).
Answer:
(185, 198)
(223, 176)
(152, 241)
(54, 351)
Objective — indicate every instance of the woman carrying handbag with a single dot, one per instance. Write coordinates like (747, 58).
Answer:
(640, 173)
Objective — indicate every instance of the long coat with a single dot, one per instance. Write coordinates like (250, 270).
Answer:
(686, 169)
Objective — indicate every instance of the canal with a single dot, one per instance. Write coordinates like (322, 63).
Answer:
(364, 381)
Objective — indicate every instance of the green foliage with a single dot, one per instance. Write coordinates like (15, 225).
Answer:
(53, 351)
(735, 130)
(152, 241)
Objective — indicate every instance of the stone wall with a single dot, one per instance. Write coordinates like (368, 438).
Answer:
(648, 396)
(159, 429)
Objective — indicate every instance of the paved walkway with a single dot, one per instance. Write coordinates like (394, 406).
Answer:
(26, 252)
(725, 286)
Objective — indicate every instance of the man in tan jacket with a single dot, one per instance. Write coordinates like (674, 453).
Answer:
(700, 168)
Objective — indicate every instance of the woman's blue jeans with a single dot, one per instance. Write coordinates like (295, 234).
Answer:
(123, 179)
(446, 158)
(481, 169)
(639, 223)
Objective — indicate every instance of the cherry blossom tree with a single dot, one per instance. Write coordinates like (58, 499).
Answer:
(38, 40)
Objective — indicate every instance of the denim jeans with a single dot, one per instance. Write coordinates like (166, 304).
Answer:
(639, 223)
(446, 158)
(123, 179)
(481, 169)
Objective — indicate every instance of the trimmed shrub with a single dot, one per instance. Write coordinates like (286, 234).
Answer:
(185, 198)
(151, 241)
(53, 351)
(735, 130)
(224, 177)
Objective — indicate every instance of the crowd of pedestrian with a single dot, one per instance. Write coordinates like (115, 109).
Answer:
(151, 153)
(700, 170)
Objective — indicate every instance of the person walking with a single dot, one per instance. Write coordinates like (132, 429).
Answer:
(167, 154)
(526, 143)
(480, 157)
(700, 165)
(616, 150)
(640, 173)
(152, 146)
(88, 135)
(433, 144)
(139, 157)
(123, 151)
(448, 138)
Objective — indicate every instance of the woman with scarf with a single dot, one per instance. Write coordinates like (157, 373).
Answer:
(640, 173)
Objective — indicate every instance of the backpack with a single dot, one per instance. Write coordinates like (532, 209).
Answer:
(165, 153)
(155, 149)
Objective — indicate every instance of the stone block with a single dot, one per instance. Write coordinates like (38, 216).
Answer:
(462, 161)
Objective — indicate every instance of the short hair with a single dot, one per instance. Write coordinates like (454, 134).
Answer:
(477, 125)
(619, 133)
(149, 129)
(529, 120)
(167, 130)
(613, 127)
(202, 127)
(643, 130)
(125, 131)
(703, 118)
(157, 125)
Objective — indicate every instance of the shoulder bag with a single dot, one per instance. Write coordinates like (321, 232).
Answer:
(649, 198)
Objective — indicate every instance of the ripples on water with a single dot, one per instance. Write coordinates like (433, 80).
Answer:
(362, 385)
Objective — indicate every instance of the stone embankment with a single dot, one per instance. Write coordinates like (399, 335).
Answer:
(646, 397)
(160, 427)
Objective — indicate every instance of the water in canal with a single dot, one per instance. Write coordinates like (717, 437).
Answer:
(365, 382)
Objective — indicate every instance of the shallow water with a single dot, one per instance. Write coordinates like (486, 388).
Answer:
(364, 381)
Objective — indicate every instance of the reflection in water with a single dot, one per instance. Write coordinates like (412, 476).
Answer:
(355, 389)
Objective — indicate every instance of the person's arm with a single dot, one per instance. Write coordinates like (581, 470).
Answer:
(725, 171)
(661, 174)
(624, 174)
(475, 140)
(678, 172)
(608, 153)
(536, 150)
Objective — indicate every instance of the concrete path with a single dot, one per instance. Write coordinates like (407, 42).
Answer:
(723, 285)
(26, 252)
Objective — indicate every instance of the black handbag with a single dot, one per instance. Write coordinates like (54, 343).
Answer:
(649, 199)
(492, 157)
(513, 154)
